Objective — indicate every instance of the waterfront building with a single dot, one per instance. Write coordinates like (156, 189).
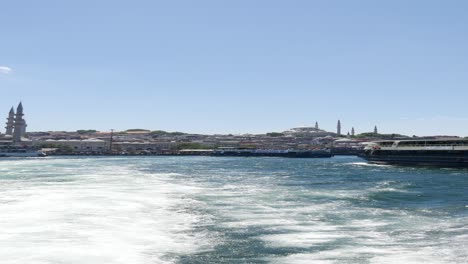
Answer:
(152, 147)
(91, 145)
(347, 146)
(10, 122)
(310, 132)
(100, 146)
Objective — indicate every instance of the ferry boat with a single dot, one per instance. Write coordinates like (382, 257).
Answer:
(20, 152)
(429, 152)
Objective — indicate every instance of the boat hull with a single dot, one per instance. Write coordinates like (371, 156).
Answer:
(452, 159)
(22, 155)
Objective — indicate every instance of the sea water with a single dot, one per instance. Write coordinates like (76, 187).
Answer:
(229, 210)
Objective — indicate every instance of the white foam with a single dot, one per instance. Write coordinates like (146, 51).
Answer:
(390, 254)
(104, 215)
(303, 258)
(369, 164)
(301, 239)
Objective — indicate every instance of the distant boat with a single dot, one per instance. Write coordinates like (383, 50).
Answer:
(325, 153)
(20, 152)
(439, 153)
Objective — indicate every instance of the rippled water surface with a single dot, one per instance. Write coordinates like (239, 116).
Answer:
(229, 210)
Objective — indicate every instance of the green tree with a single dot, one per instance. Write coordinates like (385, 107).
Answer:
(137, 130)
(275, 134)
(165, 133)
(86, 131)
(380, 136)
(191, 145)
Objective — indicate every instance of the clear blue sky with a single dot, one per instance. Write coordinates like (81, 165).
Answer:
(237, 66)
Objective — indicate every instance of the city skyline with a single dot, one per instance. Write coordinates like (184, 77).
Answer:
(12, 120)
(240, 67)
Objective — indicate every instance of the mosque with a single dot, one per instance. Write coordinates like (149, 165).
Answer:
(16, 125)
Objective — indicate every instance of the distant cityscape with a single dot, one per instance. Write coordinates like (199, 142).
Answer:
(158, 142)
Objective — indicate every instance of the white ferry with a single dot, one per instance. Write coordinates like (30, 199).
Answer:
(426, 152)
(9, 149)
(21, 153)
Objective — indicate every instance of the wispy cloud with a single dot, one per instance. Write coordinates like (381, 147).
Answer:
(5, 70)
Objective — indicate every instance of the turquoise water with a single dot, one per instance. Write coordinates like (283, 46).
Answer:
(229, 210)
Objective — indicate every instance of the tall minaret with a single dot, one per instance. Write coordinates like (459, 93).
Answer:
(24, 127)
(10, 122)
(338, 128)
(20, 124)
(316, 125)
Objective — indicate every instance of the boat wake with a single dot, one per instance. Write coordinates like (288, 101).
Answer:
(86, 212)
(366, 164)
(211, 210)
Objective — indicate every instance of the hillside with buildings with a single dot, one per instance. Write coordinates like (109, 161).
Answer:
(141, 141)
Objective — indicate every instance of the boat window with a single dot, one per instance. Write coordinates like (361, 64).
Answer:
(432, 143)
(386, 144)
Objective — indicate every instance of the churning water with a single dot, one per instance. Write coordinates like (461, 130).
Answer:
(229, 210)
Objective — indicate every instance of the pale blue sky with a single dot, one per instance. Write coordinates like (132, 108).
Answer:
(237, 66)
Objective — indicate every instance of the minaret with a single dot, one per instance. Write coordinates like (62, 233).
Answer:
(10, 122)
(316, 125)
(338, 128)
(352, 131)
(20, 125)
(24, 128)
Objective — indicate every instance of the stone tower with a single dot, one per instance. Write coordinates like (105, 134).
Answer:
(338, 128)
(316, 125)
(10, 122)
(375, 130)
(352, 131)
(20, 124)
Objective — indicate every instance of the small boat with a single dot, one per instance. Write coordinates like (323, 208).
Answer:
(20, 152)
